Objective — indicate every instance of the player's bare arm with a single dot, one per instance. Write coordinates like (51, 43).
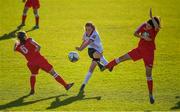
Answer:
(154, 21)
(84, 45)
(15, 45)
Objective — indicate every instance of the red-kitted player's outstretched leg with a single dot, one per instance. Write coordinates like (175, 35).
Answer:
(61, 80)
(116, 61)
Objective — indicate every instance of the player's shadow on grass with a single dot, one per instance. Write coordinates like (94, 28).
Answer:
(80, 96)
(177, 105)
(12, 34)
(20, 101)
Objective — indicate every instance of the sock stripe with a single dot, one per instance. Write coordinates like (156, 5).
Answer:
(149, 78)
(55, 75)
(33, 74)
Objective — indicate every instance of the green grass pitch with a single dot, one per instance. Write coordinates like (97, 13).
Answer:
(61, 29)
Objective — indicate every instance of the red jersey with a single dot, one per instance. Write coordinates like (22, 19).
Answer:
(152, 34)
(29, 50)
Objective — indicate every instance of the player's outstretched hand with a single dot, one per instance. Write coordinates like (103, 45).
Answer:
(150, 13)
(23, 1)
(78, 48)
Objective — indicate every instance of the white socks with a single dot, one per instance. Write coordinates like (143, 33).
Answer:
(103, 60)
(88, 75)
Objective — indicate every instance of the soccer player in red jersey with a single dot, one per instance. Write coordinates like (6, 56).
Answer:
(145, 50)
(31, 50)
(35, 5)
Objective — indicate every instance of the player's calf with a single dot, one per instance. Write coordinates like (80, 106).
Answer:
(60, 80)
(36, 18)
(32, 83)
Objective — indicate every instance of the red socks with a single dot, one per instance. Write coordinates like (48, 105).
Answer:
(23, 19)
(32, 81)
(111, 64)
(37, 20)
(150, 85)
(61, 81)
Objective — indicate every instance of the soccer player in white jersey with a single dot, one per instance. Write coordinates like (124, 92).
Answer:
(92, 40)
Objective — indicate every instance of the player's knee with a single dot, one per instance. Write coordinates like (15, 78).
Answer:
(126, 57)
(148, 71)
(36, 15)
(25, 10)
(24, 13)
(52, 72)
(36, 12)
(149, 78)
(97, 55)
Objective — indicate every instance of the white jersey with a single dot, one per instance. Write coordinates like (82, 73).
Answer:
(96, 44)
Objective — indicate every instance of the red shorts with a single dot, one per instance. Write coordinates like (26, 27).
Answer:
(32, 3)
(146, 55)
(40, 63)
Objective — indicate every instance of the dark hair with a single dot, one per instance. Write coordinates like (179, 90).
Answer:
(90, 24)
(151, 22)
(22, 37)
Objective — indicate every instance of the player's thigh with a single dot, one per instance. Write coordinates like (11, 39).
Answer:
(91, 52)
(34, 69)
(45, 65)
(135, 54)
(148, 58)
(28, 4)
(97, 55)
(52, 72)
(25, 10)
(36, 4)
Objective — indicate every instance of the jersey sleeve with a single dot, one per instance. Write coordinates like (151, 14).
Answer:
(84, 37)
(33, 42)
(140, 28)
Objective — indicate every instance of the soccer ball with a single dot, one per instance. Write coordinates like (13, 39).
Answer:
(73, 56)
(145, 34)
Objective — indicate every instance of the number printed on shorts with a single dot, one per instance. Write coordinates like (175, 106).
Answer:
(24, 49)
